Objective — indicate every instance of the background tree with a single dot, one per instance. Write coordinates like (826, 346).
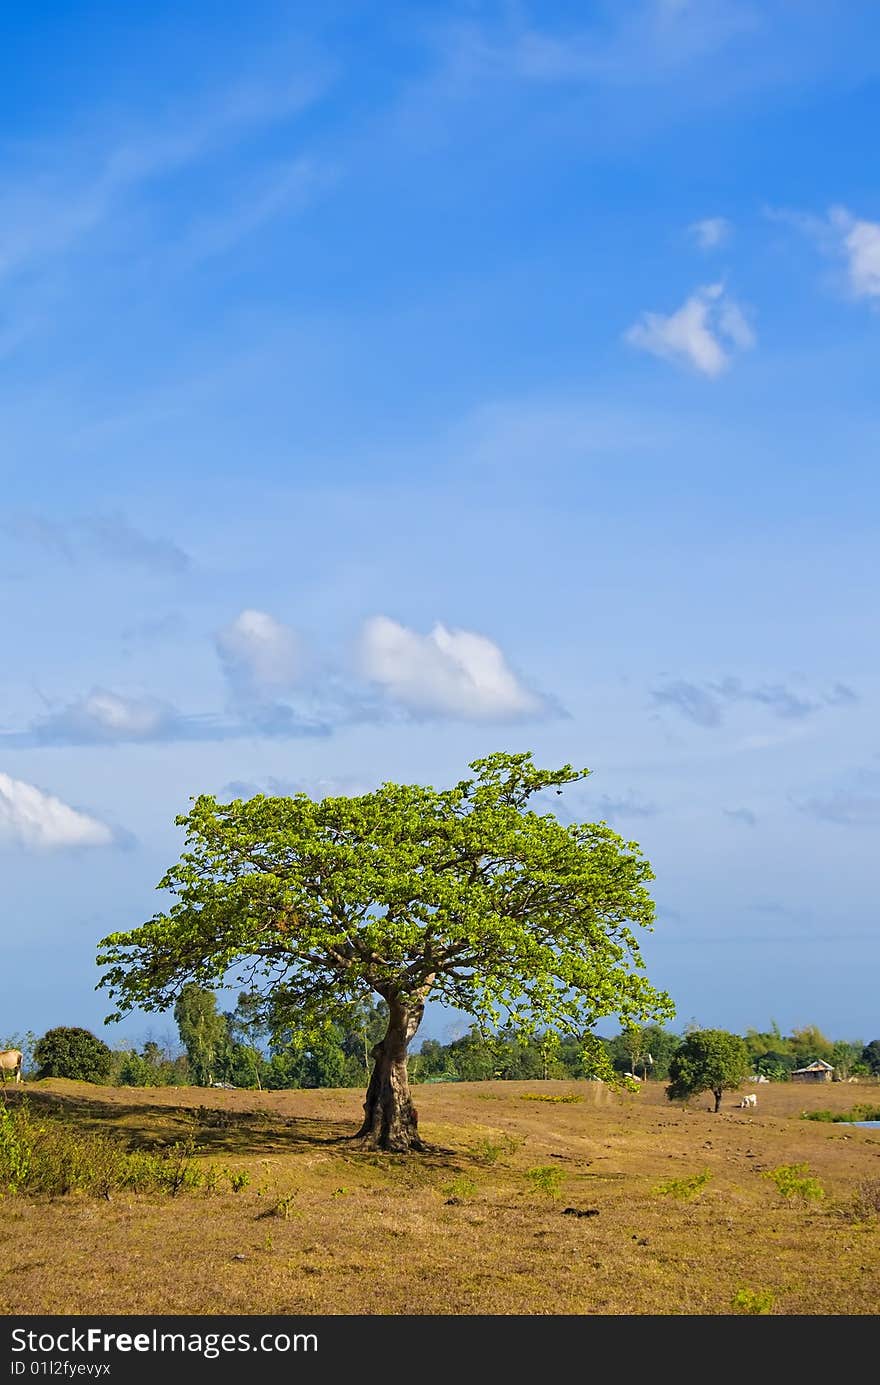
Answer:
(871, 1057)
(203, 1032)
(708, 1060)
(846, 1057)
(467, 895)
(248, 1031)
(68, 1051)
(809, 1043)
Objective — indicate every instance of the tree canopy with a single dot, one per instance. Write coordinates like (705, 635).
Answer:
(707, 1060)
(467, 895)
(69, 1051)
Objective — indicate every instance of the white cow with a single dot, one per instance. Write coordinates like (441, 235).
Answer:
(749, 1100)
(10, 1061)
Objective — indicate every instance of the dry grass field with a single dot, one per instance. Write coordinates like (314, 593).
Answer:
(536, 1198)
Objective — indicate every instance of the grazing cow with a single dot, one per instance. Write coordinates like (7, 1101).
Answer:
(750, 1100)
(10, 1061)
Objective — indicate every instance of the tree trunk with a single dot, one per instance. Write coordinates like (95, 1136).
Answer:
(390, 1119)
(717, 1099)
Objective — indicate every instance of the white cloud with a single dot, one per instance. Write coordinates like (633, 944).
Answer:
(861, 245)
(105, 717)
(37, 820)
(449, 672)
(699, 333)
(711, 232)
(842, 235)
(260, 655)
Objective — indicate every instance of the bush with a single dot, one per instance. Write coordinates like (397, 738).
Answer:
(545, 1179)
(752, 1301)
(795, 1184)
(860, 1112)
(546, 1096)
(74, 1053)
(683, 1188)
(45, 1157)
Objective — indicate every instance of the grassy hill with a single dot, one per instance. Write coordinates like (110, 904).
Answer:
(535, 1198)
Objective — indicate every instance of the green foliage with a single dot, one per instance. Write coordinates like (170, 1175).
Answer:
(69, 1051)
(283, 1207)
(239, 1180)
(809, 1043)
(565, 1097)
(15, 1152)
(46, 1157)
(203, 1032)
(870, 1057)
(466, 894)
(461, 1188)
(683, 1188)
(707, 1060)
(752, 1301)
(795, 1184)
(149, 1068)
(846, 1057)
(543, 1178)
(860, 1112)
(645, 1050)
(489, 1151)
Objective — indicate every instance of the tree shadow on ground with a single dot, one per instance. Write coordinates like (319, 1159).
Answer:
(217, 1130)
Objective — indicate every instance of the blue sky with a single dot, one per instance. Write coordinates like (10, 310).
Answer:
(383, 385)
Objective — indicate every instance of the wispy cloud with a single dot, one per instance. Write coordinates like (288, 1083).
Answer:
(846, 808)
(106, 717)
(702, 333)
(690, 701)
(277, 689)
(704, 704)
(79, 187)
(711, 232)
(36, 820)
(287, 189)
(109, 537)
(453, 673)
(630, 806)
(650, 40)
(336, 786)
(743, 815)
(843, 236)
(855, 802)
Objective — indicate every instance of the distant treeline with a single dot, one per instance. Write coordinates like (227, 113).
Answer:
(235, 1048)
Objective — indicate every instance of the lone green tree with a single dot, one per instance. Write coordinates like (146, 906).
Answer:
(203, 1032)
(69, 1051)
(708, 1060)
(467, 895)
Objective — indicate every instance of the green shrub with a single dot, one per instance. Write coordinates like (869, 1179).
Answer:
(490, 1151)
(545, 1179)
(461, 1188)
(861, 1112)
(547, 1096)
(794, 1183)
(45, 1157)
(683, 1188)
(752, 1301)
(68, 1051)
